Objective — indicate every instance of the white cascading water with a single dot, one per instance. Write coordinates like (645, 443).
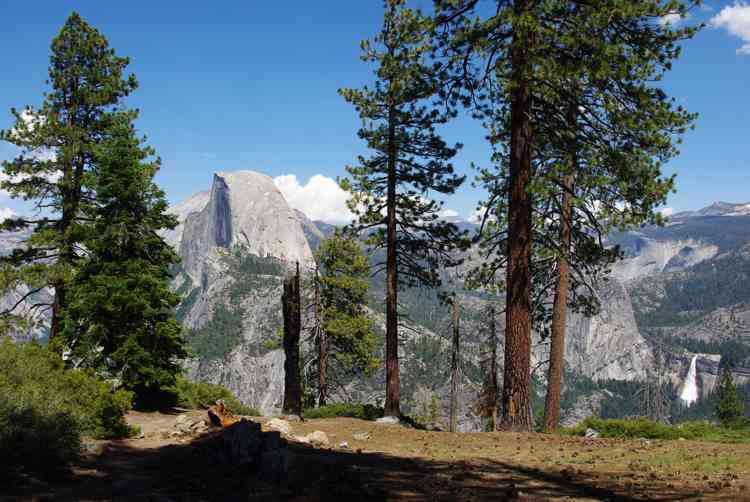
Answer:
(689, 393)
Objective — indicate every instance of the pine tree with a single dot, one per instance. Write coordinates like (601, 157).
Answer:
(58, 143)
(347, 342)
(390, 189)
(729, 407)
(119, 312)
(523, 68)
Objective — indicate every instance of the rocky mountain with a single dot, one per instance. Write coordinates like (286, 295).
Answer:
(244, 204)
(680, 291)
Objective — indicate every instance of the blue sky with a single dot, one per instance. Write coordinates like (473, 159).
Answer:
(252, 85)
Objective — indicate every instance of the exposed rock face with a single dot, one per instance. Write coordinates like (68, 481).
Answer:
(256, 380)
(244, 209)
(608, 345)
(657, 256)
(720, 325)
(182, 210)
(585, 406)
(707, 372)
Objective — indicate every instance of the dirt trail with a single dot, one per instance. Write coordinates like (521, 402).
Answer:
(381, 462)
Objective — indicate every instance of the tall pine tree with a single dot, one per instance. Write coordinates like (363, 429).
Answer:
(391, 189)
(119, 313)
(521, 67)
(58, 143)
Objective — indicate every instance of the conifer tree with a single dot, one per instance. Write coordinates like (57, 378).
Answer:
(521, 68)
(347, 342)
(58, 142)
(729, 407)
(119, 312)
(410, 161)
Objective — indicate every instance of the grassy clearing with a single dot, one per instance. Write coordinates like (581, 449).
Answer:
(649, 429)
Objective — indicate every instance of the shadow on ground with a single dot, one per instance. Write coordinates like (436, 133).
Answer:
(188, 472)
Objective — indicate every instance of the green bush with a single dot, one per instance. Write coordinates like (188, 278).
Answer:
(45, 408)
(200, 394)
(36, 440)
(649, 429)
(361, 411)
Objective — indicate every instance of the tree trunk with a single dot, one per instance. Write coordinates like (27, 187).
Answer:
(292, 323)
(70, 203)
(454, 367)
(560, 305)
(489, 370)
(392, 391)
(516, 376)
(322, 347)
(559, 312)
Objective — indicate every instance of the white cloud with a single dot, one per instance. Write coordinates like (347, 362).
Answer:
(666, 211)
(321, 198)
(672, 19)
(448, 213)
(478, 215)
(6, 213)
(32, 120)
(736, 20)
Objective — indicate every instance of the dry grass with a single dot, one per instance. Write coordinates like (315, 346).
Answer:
(406, 464)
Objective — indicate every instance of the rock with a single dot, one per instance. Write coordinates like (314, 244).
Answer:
(361, 436)
(243, 442)
(317, 438)
(343, 445)
(388, 420)
(181, 419)
(293, 418)
(280, 425)
(592, 433)
(199, 427)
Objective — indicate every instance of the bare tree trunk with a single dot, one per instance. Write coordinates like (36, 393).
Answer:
(322, 346)
(454, 367)
(393, 385)
(562, 287)
(292, 324)
(489, 369)
(517, 370)
(559, 311)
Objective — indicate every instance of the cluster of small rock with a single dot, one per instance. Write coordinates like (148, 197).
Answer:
(185, 425)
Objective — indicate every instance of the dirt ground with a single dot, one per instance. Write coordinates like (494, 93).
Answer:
(396, 463)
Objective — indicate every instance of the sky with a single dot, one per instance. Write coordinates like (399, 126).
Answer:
(253, 85)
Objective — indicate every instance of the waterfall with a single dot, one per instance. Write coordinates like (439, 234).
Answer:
(689, 393)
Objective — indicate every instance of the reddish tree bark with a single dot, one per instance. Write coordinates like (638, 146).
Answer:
(516, 375)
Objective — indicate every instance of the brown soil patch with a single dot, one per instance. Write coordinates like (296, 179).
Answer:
(396, 463)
